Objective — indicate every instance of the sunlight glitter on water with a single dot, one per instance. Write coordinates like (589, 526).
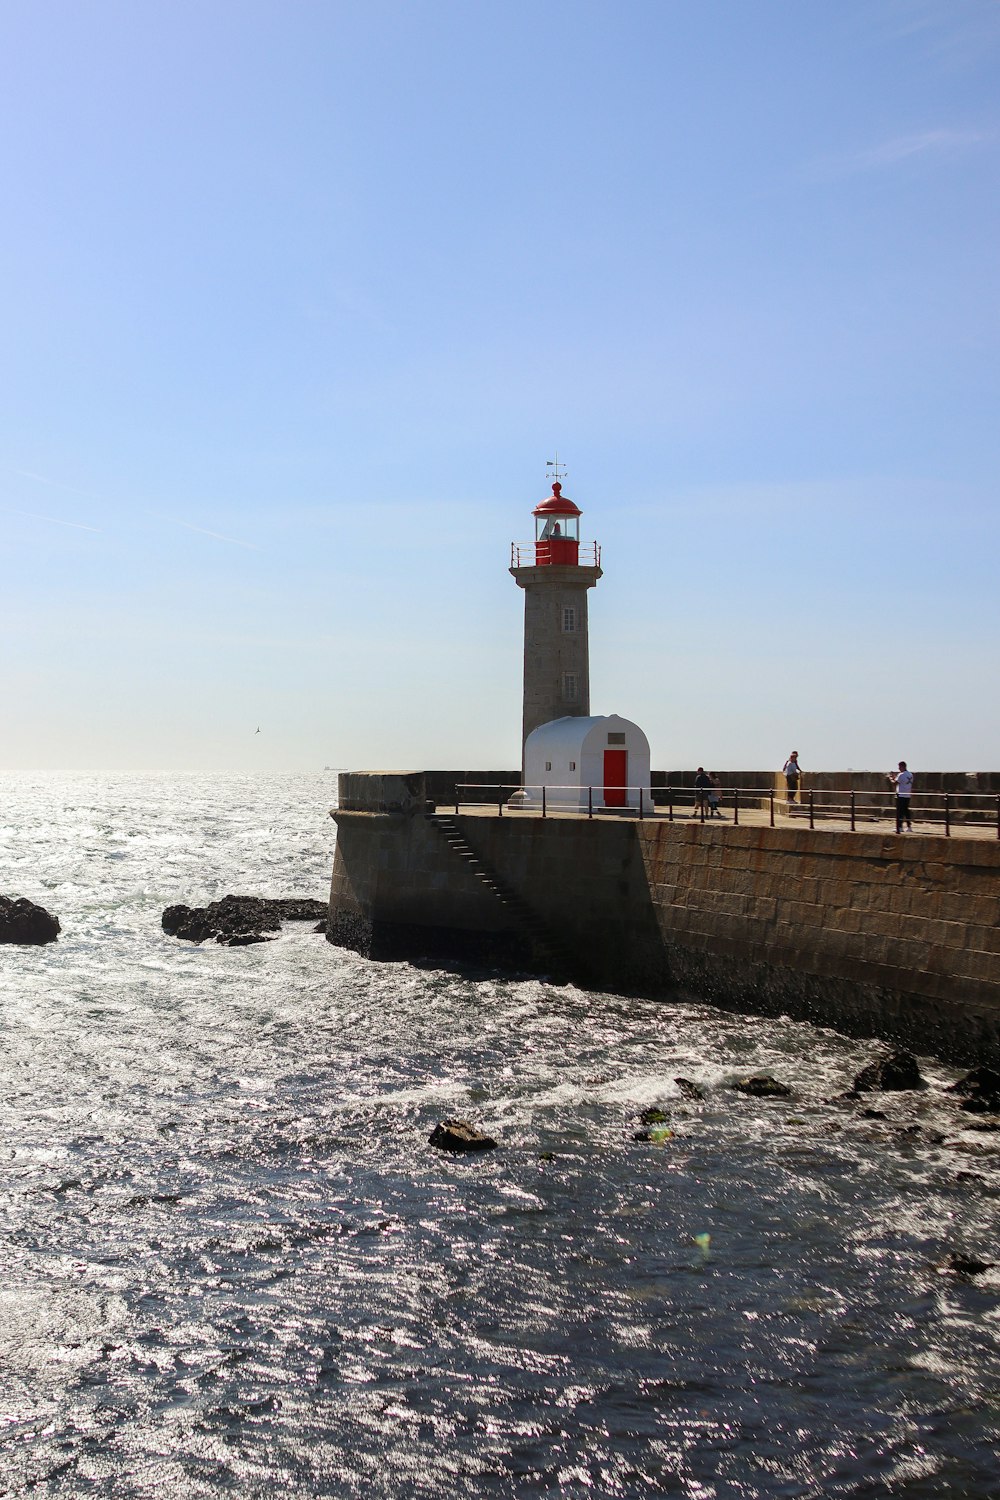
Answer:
(233, 1261)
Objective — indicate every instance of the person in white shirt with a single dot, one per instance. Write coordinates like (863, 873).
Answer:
(902, 780)
(792, 771)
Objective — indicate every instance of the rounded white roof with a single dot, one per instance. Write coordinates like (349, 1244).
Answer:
(564, 736)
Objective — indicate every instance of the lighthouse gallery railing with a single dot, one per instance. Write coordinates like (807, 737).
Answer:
(524, 555)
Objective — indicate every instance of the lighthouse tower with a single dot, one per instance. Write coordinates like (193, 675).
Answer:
(555, 572)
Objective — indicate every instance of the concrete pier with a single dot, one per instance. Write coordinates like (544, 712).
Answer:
(870, 932)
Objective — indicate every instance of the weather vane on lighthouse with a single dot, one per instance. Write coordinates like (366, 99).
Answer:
(554, 469)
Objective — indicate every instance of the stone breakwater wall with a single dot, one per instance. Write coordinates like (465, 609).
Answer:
(870, 932)
(399, 891)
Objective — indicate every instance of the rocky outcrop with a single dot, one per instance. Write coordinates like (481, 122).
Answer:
(980, 1091)
(458, 1136)
(762, 1086)
(893, 1073)
(688, 1089)
(301, 909)
(237, 921)
(21, 921)
(960, 1263)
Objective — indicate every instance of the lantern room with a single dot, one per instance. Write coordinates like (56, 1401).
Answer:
(557, 531)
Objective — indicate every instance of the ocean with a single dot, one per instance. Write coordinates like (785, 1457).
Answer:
(234, 1265)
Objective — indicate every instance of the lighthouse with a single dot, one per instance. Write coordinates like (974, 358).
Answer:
(555, 571)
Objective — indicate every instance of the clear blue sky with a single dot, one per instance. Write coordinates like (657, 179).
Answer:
(297, 299)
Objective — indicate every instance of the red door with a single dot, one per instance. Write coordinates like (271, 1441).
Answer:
(615, 778)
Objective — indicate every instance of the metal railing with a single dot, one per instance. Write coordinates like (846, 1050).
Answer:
(943, 811)
(524, 554)
(585, 801)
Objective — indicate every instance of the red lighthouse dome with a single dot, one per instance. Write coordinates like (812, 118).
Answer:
(557, 530)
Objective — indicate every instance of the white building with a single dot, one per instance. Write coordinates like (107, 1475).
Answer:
(599, 761)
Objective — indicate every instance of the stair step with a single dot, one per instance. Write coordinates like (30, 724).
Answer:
(533, 926)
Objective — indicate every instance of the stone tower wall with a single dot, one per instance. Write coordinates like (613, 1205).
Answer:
(551, 652)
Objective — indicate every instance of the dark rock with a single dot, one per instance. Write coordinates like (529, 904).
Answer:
(459, 1135)
(980, 1091)
(897, 1072)
(186, 922)
(874, 1114)
(957, 1263)
(762, 1086)
(932, 1137)
(982, 1104)
(688, 1089)
(21, 921)
(299, 909)
(977, 1081)
(237, 921)
(654, 1116)
(233, 916)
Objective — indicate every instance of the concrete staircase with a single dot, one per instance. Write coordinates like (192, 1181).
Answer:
(546, 947)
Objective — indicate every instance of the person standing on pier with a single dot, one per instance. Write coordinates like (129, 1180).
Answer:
(792, 774)
(902, 780)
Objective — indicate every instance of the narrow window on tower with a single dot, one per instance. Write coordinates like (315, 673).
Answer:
(569, 620)
(570, 687)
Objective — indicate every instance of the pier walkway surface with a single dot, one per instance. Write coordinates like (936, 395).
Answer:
(749, 817)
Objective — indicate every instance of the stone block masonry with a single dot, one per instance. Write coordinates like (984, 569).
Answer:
(399, 892)
(868, 932)
(556, 642)
(552, 653)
